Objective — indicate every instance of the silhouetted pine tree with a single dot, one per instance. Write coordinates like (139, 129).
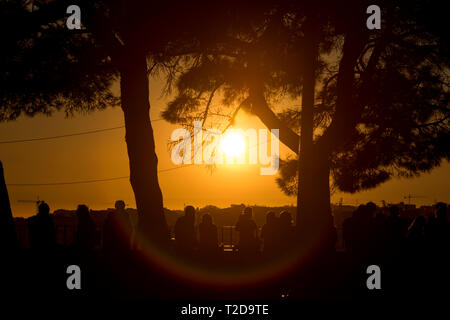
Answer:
(375, 103)
(47, 67)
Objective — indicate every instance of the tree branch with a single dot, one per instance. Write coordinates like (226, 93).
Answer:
(261, 109)
(348, 111)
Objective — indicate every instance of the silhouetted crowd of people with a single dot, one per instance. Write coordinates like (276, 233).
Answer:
(117, 229)
(411, 251)
(369, 231)
(276, 234)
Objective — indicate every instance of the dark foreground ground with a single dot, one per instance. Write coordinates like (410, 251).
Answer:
(32, 275)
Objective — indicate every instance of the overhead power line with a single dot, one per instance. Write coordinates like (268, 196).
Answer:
(61, 136)
(94, 180)
(83, 181)
(67, 135)
(63, 183)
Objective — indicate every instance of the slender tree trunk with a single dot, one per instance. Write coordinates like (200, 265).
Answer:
(8, 237)
(152, 224)
(314, 220)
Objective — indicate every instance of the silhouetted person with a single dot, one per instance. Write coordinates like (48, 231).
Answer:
(184, 229)
(287, 232)
(371, 209)
(248, 240)
(395, 230)
(361, 231)
(8, 236)
(438, 236)
(381, 236)
(208, 235)
(41, 228)
(270, 233)
(416, 234)
(429, 228)
(117, 230)
(347, 229)
(439, 228)
(86, 230)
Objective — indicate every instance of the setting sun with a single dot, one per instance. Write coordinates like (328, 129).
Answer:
(233, 144)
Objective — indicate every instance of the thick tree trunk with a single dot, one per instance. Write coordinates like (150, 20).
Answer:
(152, 224)
(314, 220)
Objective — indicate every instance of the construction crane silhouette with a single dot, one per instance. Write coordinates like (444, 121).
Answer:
(37, 201)
(411, 196)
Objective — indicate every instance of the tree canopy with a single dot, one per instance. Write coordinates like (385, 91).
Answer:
(382, 96)
(46, 67)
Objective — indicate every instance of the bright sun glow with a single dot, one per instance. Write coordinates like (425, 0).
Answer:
(233, 144)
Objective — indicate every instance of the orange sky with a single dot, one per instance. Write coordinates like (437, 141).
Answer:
(103, 155)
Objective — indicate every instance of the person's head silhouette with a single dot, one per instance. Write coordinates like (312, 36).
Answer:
(82, 212)
(43, 209)
(441, 211)
(189, 213)
(248, 213)
(120, 205)
(365, 212)
(395, 211)
(207, 219)
(371, 208)
(286, 218)
(270, 217)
